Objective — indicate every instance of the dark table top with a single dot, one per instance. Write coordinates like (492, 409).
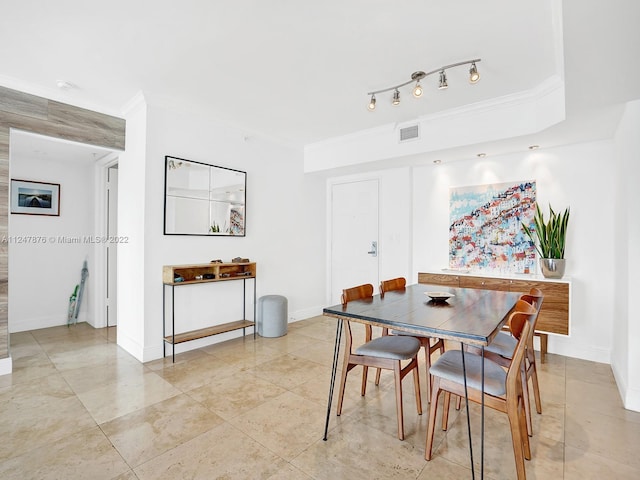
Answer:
(472, 316)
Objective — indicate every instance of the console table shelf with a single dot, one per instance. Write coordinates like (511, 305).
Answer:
(181, 275)
(219, 272)
(207, 332)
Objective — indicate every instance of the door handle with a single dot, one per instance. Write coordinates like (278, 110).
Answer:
(374, 249)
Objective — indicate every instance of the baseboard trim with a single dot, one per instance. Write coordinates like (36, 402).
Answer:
(37, 323)
(130, 346)
(6, 366)
(630, 396)
(563, 346)
(304, 314)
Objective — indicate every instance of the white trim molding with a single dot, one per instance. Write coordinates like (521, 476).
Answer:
(6, 366)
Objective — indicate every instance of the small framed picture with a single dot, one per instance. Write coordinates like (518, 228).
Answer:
(35, 198)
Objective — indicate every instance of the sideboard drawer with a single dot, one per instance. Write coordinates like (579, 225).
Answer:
(439, 279)
(486, 283)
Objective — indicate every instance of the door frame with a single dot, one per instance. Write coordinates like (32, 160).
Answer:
(100, 227)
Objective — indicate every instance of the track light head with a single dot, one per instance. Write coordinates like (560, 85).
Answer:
(474, 76)
(443, 81)
(396, 97)
(372, 103)
(417, 76)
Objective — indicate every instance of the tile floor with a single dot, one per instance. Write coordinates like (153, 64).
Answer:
(77, 406)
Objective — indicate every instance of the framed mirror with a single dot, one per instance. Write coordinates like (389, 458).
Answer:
(203, 199)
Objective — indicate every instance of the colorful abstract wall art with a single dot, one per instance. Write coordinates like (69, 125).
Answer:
(485, 232)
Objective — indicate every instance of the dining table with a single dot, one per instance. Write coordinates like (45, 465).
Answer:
(469, 316)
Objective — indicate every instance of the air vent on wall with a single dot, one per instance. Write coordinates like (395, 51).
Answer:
(409, 133)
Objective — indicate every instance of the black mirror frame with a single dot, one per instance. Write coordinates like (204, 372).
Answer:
(169, 158)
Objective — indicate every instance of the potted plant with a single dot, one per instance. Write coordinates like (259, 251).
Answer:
(549, 239)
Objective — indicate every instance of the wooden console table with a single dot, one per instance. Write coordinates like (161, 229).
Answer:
(554, 314)
(180, 275)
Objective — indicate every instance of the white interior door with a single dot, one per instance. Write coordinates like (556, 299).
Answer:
(354, 236)
(112, 246)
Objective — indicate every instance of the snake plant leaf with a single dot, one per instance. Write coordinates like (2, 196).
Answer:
(549, 237)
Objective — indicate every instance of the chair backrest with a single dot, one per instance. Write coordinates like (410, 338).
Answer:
(348, 295)
(514, 381)
(357, 293)
(393, 284)
(523, 313)
(534, 297)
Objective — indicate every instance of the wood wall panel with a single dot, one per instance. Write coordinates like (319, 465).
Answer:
(4, 256)
(95, 128)
(45, 117)
(4, 144)
(77, 132)
(22, 104)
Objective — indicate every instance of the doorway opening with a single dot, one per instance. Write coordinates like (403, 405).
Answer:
(58, 245)
(106, 250)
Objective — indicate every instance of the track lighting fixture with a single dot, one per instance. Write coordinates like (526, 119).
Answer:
(443, 81)
(396, 97)
(372, 103)
(474, 76)
(416, 77)
(418, 90)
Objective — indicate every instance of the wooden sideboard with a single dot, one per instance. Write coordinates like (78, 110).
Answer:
(554, 314)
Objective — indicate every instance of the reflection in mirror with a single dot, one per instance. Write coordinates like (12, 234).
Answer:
(202, 199)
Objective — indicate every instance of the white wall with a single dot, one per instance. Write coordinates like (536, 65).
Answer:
(131, 224)
(580, 176)
(42, 276)
(286, 218)
(625, 358)
(284, 230)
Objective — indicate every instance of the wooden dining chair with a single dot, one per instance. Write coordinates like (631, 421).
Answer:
(502, 348)
(502, 389)
(386, 352)
(429, 348)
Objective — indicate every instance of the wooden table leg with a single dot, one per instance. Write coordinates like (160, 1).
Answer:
(543, 345)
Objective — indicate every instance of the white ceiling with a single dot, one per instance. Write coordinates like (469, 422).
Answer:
(29, 146)
(299, 71)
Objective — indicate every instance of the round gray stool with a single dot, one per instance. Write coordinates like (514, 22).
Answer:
(272, 316)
